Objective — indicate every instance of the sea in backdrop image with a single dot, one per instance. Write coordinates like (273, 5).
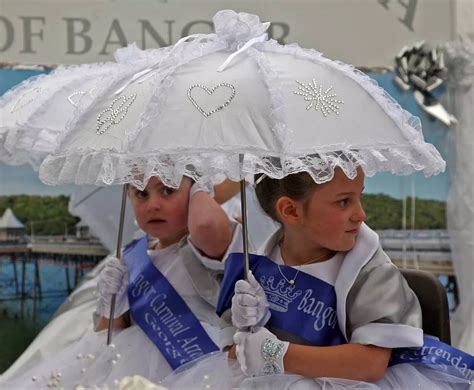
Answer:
(24, 310)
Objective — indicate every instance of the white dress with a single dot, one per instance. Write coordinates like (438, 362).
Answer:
(399, 328)
(89, 362)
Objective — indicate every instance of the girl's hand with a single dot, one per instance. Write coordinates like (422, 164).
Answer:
(202, 186)
(113, 280)
(260, 353)
(249, 304)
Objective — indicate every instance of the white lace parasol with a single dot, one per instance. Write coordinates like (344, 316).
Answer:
(196, 107)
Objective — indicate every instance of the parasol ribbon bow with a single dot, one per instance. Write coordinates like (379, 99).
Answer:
(237, 31)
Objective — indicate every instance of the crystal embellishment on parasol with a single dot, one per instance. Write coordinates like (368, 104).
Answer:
(210, 92)
(319, 99)
(115, 113)
(25, 99)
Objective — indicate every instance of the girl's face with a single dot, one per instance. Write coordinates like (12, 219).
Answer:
(334, 213)
(162, 211)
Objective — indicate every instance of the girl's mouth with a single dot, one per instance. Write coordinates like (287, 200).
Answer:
(156, 220)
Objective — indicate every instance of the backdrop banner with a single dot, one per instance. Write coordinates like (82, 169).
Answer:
(364, 33)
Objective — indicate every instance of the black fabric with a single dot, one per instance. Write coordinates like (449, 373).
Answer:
(433, 302)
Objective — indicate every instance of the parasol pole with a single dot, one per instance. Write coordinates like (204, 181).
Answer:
(87, 196)
(119, 255)
(243, 202)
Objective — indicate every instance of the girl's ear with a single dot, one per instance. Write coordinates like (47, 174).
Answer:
(288, 210)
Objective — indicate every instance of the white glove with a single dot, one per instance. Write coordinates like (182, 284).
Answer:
(260, 353)
(113, 280)
(203, 186)
(249, 304)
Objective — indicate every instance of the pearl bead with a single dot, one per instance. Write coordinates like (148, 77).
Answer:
(83, 370)
(79, 356)
(118, 356)
(34, 378)
(114, 362)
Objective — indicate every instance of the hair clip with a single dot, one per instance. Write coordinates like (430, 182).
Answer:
(263, 176)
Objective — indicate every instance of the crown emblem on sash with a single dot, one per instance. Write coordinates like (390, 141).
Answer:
(280, 294)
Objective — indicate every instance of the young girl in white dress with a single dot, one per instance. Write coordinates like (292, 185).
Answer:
(324, 307)
(172, 276)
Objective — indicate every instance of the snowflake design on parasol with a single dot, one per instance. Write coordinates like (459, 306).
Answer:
(319, 99)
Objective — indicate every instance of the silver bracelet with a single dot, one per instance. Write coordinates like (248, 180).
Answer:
(272, 352)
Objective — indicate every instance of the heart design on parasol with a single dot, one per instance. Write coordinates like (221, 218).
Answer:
(210, 92)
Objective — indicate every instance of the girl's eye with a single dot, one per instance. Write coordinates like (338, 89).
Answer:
(141, 194)
(343, 202)
(166, 191)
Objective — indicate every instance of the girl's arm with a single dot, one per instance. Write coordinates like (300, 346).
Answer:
(208, 224)
(226, 190)
(351, 361)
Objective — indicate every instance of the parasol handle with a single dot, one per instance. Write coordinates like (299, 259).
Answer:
(243, 202)
(119, 255)
(245, 236)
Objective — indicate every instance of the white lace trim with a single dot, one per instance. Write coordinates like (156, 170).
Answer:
(277, 104)
(113, 168)
(6, 155)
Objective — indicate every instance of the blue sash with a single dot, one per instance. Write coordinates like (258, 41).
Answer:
(161, 312)
(438, 355)
(308, 309)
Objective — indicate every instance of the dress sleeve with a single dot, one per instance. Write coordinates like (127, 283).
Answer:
(234, 246)
(382, 310)
(227, 330)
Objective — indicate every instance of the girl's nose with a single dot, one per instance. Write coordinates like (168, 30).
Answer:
(359, 214)
(154, 203)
